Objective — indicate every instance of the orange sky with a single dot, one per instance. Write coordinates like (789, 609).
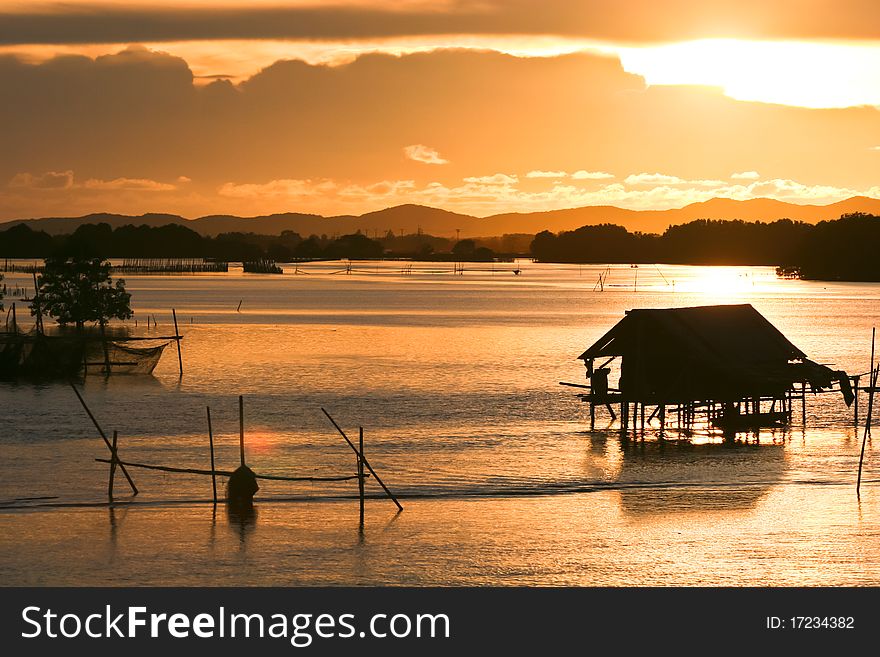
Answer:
(248, 108)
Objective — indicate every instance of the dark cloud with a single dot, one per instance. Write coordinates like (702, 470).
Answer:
(619, 20)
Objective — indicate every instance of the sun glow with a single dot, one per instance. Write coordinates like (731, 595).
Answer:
(721, 283)
(815, 74)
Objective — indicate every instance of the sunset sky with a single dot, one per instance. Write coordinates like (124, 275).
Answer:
(486, 106)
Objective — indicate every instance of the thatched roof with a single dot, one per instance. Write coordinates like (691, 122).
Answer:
(736, 333)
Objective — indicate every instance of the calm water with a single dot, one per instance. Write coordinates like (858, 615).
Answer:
(455, 381)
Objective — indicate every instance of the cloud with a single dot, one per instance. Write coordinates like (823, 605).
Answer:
(103, 21)
(652, 179)
(547, 174)
(47, 180)
(423, 154)
(496, 180)
(499, 193)
(591, 175)
(64, 180)
(745, 175)
(133, 184)
(137, 115)
(287, 189)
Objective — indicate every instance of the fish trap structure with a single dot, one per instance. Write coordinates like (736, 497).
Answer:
(725, 368)
(241, 483)
(261, 267)
(170, 266)
(36, 354)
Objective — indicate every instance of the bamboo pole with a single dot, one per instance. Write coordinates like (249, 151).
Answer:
(366, 462)
(211, 444)
(241, 427)
(804, 402)
(360, 471)
(114, 459)
(177, 339)
(873, 382)
(874, 376)
(36, 305)
(82, 401)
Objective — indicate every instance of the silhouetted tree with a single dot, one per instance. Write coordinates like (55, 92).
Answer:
(22, 242)
(357, 246)
(310, 248)
(80, 291)
(89, 241)
(464, 248)
(845, 249)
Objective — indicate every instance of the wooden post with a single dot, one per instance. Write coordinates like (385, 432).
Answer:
(874, 375)
(82, 401)
(211, 444)
(113, 460)
(36, 306)
(592, 413)
(366, 462)
(14, 322)
(177, 340)
(872, 382)
(241, 427)
(360, 471)
(804, 402)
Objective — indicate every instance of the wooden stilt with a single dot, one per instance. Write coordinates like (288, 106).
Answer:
(241, 427)
(366, 462)
(611, 412)
(874, 376)
(177, 340)
(114, 459)
(360, 471)
(804, 402)
(872, 382)
(211, 444)
(82, 401)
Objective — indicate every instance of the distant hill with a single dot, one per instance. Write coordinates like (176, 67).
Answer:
(434, 221)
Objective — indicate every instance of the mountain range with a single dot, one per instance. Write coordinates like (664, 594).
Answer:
(434, 221)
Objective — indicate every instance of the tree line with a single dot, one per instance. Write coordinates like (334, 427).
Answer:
(841, 249)
(175, 241)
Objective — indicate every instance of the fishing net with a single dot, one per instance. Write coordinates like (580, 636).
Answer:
(123, 359)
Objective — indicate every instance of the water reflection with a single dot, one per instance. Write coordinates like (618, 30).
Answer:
(682, 477)
(242, 519)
